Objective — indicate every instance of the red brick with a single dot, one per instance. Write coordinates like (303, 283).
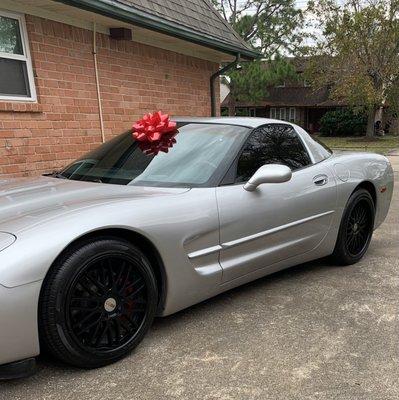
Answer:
(64, 124)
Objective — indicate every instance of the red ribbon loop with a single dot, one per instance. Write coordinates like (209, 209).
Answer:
(152, 126)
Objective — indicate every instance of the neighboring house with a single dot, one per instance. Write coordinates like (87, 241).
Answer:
(73, 73)
(294, 101)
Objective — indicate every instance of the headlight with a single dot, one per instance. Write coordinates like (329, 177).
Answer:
(6, 239)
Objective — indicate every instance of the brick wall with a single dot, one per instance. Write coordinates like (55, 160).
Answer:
(64, 124)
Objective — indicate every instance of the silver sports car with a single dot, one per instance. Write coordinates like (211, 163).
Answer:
(91, 254)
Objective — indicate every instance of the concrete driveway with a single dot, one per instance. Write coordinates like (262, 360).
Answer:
(315, 331)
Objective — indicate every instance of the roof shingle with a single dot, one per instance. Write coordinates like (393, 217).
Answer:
(196, 21)
(198, 15)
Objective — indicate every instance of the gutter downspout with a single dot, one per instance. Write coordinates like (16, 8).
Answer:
(100, 109)
(213, 79)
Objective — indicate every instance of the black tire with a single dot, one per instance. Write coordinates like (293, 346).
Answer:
(356, 228)
(105, 287)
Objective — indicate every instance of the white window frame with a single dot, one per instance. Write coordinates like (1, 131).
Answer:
(26, 57)
(283, 113)
(292, 114)
(252, 110)
(273, 113)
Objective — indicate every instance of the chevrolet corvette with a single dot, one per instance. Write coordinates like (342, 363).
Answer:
(144, 226)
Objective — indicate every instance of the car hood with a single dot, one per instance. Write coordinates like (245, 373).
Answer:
(33, 199)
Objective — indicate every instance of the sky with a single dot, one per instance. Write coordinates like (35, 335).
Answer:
(301, 4)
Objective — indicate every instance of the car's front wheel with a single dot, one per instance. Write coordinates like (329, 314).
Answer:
(97, 303)
(356, 228)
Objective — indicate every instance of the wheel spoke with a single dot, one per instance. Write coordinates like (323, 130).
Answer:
(125, 280)
(86, 318)
(137, 291)
(111, 273)
(117, 327)
(131, 285)
(86, 328)
(100, 287)
(109, 335)
(131, 321)
(122, 269)
(96, 332)
(137, 309)
(82, 308)
(81, 300)
(101, 335)
(88, 289)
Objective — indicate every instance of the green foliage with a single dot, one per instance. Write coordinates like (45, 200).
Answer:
(271, 27)
(250, 84)
(343, 122)
(224, 112)
(358, 53)
(241, 112)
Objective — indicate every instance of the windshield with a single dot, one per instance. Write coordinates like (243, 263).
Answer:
(200, 156)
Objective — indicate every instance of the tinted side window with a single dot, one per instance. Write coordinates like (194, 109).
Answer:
(271, 144)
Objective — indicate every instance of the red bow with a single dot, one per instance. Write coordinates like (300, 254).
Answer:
(164, 144)
(152, 126)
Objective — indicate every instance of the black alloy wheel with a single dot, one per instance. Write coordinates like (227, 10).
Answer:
(359, 228)
(107, 303)
(97, 303)
(356, 228)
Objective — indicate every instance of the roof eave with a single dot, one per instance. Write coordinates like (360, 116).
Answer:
(140, 18)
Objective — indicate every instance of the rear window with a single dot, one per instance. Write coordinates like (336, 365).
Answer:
(319, 150)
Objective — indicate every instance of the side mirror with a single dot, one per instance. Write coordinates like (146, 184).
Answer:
(269, 173)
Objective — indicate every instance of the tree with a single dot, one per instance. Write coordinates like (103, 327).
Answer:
(270, 27)
(358, 53)
(250, 84)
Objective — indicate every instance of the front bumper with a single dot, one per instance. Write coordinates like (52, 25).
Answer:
(19, 337)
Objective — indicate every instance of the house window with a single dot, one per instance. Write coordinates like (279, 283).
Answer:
(273, 113)
(252, 112)
(241, 112)
(16, 75)
(292, 114)
(282, 114)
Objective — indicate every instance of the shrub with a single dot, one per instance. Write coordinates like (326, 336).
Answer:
(343, 122)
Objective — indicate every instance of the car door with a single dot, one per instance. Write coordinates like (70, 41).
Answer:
(276, 221)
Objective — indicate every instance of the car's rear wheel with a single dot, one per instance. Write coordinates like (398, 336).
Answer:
(356, 228)
(97, 303)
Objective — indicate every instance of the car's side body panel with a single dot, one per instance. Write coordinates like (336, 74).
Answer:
(275, 222)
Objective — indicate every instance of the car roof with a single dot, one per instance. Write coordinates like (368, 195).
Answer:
(250, 122)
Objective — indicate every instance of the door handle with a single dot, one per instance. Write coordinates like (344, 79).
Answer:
(320, 180)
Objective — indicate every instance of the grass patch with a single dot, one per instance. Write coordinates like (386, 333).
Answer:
(381, 145)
